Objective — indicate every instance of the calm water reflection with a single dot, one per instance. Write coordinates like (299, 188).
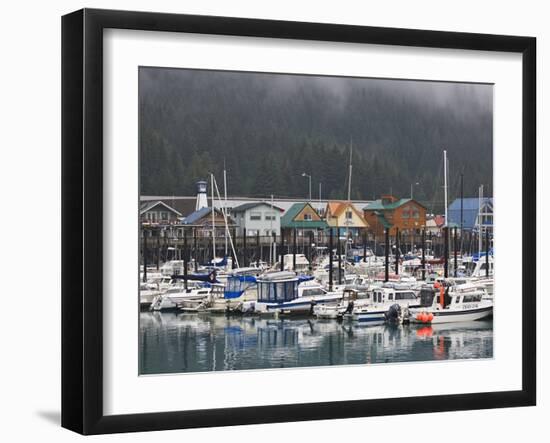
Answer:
(171, 342)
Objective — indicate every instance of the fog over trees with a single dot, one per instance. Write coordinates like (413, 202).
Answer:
(270, 128)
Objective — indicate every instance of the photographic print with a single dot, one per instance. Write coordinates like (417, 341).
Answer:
(293, 220)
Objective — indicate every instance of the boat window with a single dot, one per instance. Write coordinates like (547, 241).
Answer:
(471, 298)
(312, 291)
(457, 299)
(390, 297)
(405, 296)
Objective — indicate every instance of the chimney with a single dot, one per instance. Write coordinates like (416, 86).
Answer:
(388, 199)
(202, 200)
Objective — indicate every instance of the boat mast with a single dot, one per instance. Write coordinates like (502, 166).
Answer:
(225, 204)
(445, 183)
(349, 194)
(224, 214)
(213, 220)
(272, 244)
(479, 224)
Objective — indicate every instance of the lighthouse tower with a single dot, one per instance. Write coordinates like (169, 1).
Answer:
(202, 200)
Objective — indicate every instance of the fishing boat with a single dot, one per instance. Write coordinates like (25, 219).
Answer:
(390, 302)
(446, 303)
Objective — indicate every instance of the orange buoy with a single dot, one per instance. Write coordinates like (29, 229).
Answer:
(430, 317)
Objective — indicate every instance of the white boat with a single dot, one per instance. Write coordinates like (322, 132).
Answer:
(446, 303)
(178, 293)
(389, 302)
(147, 293)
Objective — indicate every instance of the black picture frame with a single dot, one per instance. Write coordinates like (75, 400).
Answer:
(82, 190)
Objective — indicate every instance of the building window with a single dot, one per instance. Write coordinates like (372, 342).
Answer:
(270, 216)
(405, 214)
(416, 214)
(349, 215)
(164, 216)
(307, 217)
(255, 216)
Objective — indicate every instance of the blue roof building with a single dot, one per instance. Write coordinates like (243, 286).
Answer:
(470, 213)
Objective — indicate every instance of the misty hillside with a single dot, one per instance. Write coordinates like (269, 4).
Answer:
(270, 128)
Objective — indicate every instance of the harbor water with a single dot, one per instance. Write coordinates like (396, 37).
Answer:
(179, 342)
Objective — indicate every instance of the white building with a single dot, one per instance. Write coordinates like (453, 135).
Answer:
(258, 218)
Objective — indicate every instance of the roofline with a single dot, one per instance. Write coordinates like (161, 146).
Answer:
(141, 211)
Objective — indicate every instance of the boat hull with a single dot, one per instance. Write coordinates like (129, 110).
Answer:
(455, 315)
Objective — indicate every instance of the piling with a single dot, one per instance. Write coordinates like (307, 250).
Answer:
(486, 252)
(258, 248)
(364, 245)
(282, 250)
(424, 254)
(446, 251)
(245, 262)
(158, 249)
(339, 256)
(455, 252)
(185, 257)
(330, 242)
(387, 253)
(396, 251)
(195, 250)
(294, 250)
(144, 256)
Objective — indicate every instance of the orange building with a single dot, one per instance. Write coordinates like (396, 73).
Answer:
(405, 214)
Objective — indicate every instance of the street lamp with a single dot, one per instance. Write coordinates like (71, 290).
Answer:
(309, 178)
(413, 184)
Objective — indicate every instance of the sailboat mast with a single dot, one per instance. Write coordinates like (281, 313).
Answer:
(350, 169)
(349, 196)
(445, 184)
(213, 219)
(225, 204)
(479, 224)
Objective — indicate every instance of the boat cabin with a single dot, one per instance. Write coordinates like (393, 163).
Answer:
(278, 287)
(393, 295)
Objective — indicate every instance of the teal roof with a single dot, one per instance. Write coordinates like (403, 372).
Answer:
(287, 220)
(377, 205)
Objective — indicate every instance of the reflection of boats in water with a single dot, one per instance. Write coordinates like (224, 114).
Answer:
(196, 342)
